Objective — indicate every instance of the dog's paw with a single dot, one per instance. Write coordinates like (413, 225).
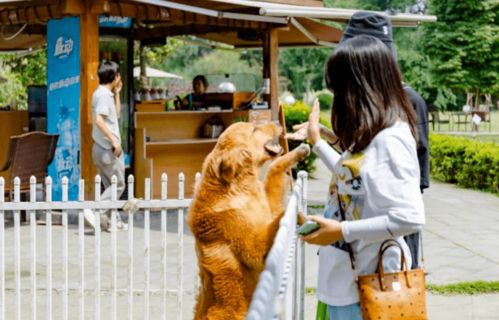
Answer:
(302, 151)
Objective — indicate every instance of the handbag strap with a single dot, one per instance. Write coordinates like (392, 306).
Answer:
(391, 243)
(404, 268)
(421, 249)
(385, 246)
(349, 247)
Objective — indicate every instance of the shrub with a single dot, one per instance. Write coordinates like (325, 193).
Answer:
(296, 114)
(326, 100)
(470, 164)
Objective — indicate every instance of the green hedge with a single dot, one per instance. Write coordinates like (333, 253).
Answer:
(469, 163)
(296, 114)
(326, 101)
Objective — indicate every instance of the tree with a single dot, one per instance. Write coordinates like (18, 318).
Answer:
(20, 71)
(304, 67)
(415, 67)
(464, 45)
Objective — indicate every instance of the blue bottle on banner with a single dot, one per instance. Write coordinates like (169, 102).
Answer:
(67, 152)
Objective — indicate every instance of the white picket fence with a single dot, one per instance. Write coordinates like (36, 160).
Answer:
(282, 283)
(83, 278)
(148, 206)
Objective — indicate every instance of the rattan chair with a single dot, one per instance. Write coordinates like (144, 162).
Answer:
(29, 155)
(438, 118)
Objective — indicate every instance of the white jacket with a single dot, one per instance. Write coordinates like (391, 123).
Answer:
(379, 190)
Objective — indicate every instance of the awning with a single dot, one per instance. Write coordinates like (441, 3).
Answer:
(301, 32)
(300, 25)
(22, 42)
(268, 9)
(235, 22)
(155, 73)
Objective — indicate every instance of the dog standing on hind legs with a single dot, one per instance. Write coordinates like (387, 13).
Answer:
(234, 216)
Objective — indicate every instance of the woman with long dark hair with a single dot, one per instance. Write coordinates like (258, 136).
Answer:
(376, 177)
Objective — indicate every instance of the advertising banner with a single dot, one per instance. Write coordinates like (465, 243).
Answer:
(115, 22)
(63, 102)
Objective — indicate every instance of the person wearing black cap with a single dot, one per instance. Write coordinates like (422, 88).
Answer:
(374, 194)
(379, 26)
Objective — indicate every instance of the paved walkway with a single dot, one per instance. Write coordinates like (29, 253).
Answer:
(461, 243)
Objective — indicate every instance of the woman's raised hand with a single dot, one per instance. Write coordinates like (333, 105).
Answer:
(314, 132)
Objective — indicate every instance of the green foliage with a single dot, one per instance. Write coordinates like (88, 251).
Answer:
(157, 54)
(326, 100)
(464, 45)
(468, 288)
(20, 71)
(220, 62)
(11, 88)
(190, 61)
(471, 164)
(181, 57)
(296, 114)
(304, 67)
(415, 67)
(310, 291)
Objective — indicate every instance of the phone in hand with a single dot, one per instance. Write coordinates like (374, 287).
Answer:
(307, 228)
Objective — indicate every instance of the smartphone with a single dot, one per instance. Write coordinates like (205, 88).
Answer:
(307, 228)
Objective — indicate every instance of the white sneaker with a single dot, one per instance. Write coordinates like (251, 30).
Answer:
(89, 217)
(120, 226)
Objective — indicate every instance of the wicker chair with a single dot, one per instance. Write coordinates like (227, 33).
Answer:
(29, 155)
(438, 118)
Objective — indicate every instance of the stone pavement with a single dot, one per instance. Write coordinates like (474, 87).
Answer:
(461, 243)
(156, 302)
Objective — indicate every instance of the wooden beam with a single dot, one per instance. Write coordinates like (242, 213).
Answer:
(32, 14)
(168, 31)
(179, 17)
(138, 12)
(271, 69)
(308, 3)
(72, 7)
(89, 34)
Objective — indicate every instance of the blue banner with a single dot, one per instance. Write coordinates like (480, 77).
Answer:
(63, 102)
(115, 22)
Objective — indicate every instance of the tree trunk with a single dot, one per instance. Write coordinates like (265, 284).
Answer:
(143, 62)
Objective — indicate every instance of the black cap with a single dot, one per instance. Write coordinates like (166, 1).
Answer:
(370, 23)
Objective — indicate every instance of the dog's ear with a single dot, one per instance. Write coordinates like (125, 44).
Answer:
(233, 163)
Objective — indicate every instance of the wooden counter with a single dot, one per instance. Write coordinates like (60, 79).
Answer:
(12, 123)
(172, 142)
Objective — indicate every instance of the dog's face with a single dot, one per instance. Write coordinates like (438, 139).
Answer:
(243, 146)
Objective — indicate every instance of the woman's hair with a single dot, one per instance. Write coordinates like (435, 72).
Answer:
(107, 72)
(201, 78)
(368, 92)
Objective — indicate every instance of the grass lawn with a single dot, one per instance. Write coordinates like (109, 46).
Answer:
(494, 129)
(463, 288)
(469, 288)
(484, 128)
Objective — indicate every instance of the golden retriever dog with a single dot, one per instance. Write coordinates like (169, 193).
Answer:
(235, 216)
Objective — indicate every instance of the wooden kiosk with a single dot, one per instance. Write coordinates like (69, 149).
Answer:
(170, 141)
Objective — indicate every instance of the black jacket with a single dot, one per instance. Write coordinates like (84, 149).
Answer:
(421, 110)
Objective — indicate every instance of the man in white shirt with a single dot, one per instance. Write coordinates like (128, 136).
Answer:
(107, 152)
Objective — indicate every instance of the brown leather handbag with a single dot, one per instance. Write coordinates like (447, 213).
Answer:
(397, 295)
(390, 296)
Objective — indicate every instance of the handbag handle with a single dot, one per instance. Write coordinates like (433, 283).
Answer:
(403, 263)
